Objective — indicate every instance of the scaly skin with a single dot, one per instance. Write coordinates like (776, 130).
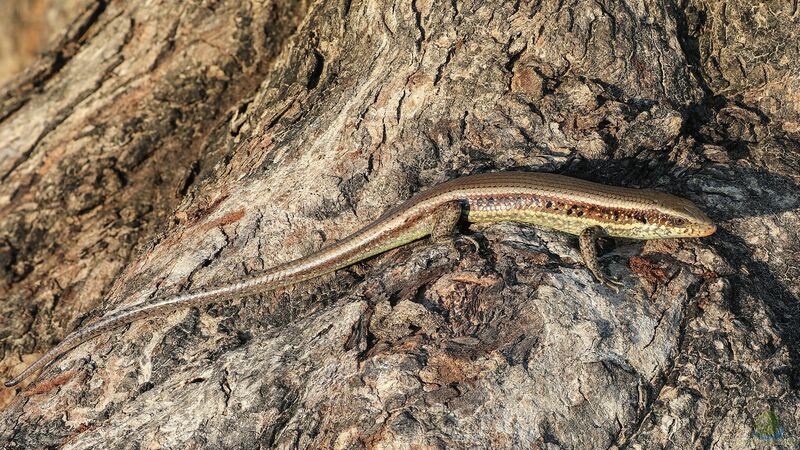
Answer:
(566, 204)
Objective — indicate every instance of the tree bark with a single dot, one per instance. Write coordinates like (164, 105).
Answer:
(166, 146)
(26, 29)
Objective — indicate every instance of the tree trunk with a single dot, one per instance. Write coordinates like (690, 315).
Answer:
(167, 146)
(27, 27)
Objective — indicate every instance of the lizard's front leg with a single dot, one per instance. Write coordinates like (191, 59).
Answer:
(587, 242)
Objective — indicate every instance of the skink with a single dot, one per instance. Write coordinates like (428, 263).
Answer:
(570, 205)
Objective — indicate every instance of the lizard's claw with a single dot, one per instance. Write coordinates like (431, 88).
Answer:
(614, 284)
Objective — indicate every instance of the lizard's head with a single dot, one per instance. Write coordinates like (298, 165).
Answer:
(678, 217)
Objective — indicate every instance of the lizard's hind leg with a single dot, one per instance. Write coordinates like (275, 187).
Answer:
(446, 222)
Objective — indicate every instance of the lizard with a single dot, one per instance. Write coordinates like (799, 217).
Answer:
(578, 207)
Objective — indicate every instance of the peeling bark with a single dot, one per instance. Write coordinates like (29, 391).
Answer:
(172, 146)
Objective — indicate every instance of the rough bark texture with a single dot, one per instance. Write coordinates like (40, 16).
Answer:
(165, 146)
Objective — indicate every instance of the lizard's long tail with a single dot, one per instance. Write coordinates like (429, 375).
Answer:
(132, 314)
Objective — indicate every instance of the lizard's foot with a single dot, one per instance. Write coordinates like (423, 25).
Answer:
(462, 237)
(613, 284)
